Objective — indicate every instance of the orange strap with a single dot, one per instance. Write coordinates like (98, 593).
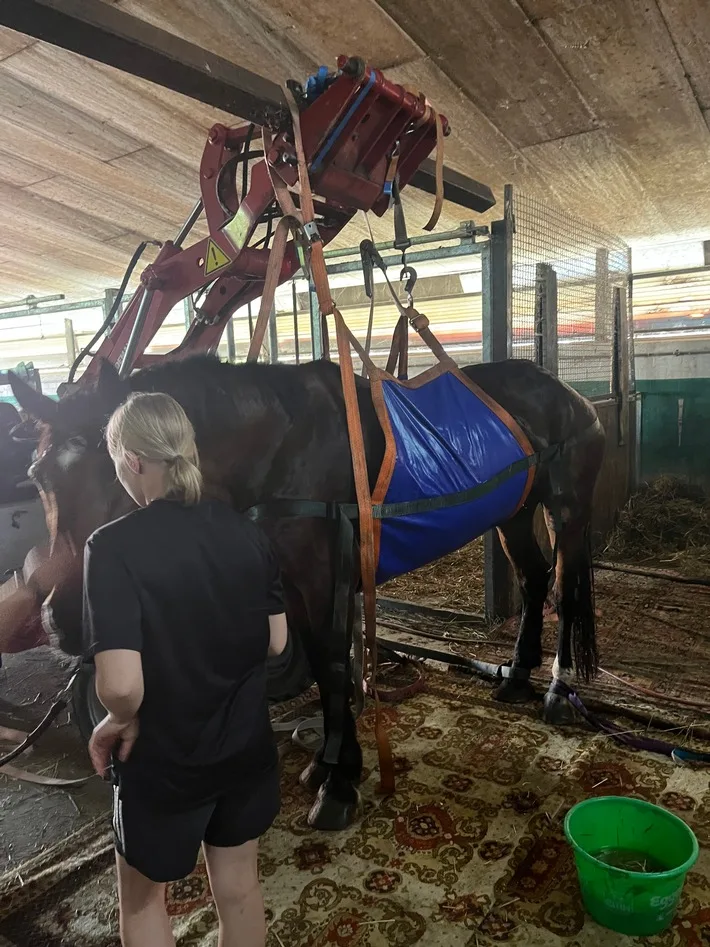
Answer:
(398, 359)
(439, 199)
(319, 275)
(367, 541)
(285, 227)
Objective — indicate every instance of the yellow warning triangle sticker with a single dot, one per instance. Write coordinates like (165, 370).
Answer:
(215, 258)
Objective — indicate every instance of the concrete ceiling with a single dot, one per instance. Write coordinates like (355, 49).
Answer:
(602, 106)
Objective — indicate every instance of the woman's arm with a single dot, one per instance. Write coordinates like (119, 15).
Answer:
(112, 616)
(119, 683)
(279, 634)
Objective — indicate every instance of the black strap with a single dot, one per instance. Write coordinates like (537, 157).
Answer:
(401, 237)
(500, 671)
(339, 640)
(281, 507)
(60, 703)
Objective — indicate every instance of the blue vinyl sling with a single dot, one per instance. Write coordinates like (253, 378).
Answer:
(446, 440)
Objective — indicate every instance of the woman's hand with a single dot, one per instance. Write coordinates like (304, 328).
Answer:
(112, 737)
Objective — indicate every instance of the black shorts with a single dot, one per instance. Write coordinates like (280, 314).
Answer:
(164, 845)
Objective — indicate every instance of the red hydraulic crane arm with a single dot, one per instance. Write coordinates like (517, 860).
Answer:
(357, 127)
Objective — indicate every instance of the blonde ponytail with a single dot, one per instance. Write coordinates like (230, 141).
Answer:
(155, 428)
(184, 479)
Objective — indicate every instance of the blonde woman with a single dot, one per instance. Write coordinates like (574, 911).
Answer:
(182, 605)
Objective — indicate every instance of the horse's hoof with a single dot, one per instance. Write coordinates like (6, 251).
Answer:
(313, 776)
(558, 711)
(334, 813)
(514, 690)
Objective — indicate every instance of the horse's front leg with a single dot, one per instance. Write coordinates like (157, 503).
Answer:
(335, 772)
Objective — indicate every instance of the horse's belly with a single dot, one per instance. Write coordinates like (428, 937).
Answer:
(446, 440)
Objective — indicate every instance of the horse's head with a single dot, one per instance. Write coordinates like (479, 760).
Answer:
(76, 480)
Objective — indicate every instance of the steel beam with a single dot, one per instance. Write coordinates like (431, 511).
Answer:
(458, 189)
(104, 33)
(497, 316)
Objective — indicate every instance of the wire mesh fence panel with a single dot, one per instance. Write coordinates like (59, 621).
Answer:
(588, 263)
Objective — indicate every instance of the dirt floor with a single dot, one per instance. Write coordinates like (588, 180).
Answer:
(653, 632)
(33, 818)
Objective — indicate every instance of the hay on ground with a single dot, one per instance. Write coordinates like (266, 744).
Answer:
(667, 522)
(456, 581)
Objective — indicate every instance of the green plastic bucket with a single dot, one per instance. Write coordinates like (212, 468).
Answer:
(636, 902)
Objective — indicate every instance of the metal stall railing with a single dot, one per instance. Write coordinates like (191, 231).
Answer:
(463, 286)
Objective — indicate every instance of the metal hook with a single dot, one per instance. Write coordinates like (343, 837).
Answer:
(410, 274)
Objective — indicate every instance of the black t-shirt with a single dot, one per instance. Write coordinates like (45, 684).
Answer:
(191, 588)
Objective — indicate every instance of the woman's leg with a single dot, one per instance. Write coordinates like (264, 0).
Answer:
(144, 920)
(235, 886)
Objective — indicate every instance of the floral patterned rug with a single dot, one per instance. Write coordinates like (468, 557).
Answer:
(468, 852)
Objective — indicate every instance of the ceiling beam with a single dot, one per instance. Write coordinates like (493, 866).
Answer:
(101, 32)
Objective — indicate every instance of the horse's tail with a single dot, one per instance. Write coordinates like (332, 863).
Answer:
(583, 617)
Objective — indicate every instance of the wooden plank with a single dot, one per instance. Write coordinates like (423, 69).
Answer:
(34, 278)
(491, 52)
(342, 28)
(689, 25)
(33, 209)
(202, 115)
(127, 243)
(15, 170)
(84, 169)
(103, 93)
(28, 108)
(54, 242)
(101, 202)
(12, 42)
(475, 147)
(153, 168)
(227, 29)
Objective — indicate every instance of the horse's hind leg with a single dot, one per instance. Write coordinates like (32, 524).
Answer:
(576, 629)
(533, 572)
(569, 510)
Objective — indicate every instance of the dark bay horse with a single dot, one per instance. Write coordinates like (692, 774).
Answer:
(266, 431)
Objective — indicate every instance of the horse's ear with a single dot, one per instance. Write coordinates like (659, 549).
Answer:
(113, 390)
(32, 402)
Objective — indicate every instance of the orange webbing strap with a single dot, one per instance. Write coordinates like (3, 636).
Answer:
(367, 541)
(439, 200)
(285, 226)
(420, 323)
(398, 358)
(319, 275)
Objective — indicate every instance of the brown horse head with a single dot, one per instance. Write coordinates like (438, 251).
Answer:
(76, 480)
